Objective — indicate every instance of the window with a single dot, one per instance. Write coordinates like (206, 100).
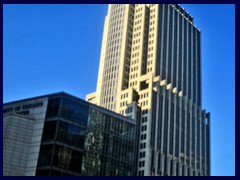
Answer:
(142, 154)
(144, 111)
(67, 158)
(144, 119)
(144, 128)
(74, 111)
(141, 163)
(143, 136)
(141, 173)
(53, 107)
(49, 130)
(129, 110)
(71, 134)
(142, 145)
(45, 155)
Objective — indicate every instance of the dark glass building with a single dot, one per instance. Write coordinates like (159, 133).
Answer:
(66, 136)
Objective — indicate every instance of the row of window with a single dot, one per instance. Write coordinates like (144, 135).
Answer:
(152, 10)
(108, 90)
(138, 22)
(123, 96)
(110, 57)
(118, 127)
(113, 49)
(150, 49)
(135, 48)
(142, 145)
(141, 173)
(115, 23)
(142, 154)
(144, 128)
(114, 36)
(133, 83)
(117, 15)
(107, 99)
(110, 106)
(138, 15)
(114, 42)
(129, 110)
(118, 7)
(144, 111)
(124, 103)
(122, 112)
(150, 69)
(111, 69)
(69, 110)
(150, 63)
(136, 34)
(144, 119)
(110, 80)
(138, 9)
(134, 76)
(152, 16)
(144, 95)
(143, 137)
(115, 29)
(144, 103)
(151, 42)
(136, 41)
(133, 62)
(141, 163)
(134, 68)
(151, 29)
(152, 22)
(151, 35)
(138, 28)
(135, 54)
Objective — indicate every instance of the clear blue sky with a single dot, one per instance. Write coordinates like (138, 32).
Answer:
(53, 48)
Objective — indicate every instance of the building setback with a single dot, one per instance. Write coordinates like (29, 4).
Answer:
(61, 135)
(150, 70)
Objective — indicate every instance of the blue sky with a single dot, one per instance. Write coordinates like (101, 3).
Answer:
(53, 48)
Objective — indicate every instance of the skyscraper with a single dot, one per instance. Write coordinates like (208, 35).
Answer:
(150, 70)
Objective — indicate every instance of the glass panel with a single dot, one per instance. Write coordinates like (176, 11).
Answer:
(74, 111)
(71, 134)
(68, 159)
(59, 173)
(49, 130)
(42, 173)
(109, 147)
(45, 155)
(53, 107)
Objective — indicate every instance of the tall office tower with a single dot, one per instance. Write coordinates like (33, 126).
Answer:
(150, 70)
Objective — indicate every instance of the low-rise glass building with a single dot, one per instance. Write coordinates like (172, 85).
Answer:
(61, 135)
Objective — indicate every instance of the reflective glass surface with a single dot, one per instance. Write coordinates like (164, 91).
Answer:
(78, 140)
(74, 111)
(109, 146)
(53, 107)
(71, 134)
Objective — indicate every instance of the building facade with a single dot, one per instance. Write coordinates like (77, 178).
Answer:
(61, 135)
(150, 70)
